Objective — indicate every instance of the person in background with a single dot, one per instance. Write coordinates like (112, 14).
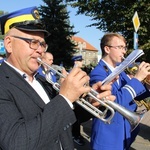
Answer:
(32, 116)
(47, 58)
(79, 112)
(77, 61)
(117, 135)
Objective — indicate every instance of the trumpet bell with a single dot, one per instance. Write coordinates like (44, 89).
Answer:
(136, 121)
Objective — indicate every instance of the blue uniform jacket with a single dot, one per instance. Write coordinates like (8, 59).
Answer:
(42, 72)
(1, 60)
(117, 135)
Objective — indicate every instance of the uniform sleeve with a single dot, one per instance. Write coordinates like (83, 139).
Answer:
(125, 92)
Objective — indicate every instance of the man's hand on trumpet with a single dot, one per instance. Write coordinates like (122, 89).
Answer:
(104, 92)
(73, 87)
(143, 71)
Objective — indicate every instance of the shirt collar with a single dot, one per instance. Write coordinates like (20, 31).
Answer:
(23, 74)
(109, 66)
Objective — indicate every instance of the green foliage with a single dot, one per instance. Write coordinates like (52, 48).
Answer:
(1, 12)
(56, 18)
(116, 16)
(1, 36)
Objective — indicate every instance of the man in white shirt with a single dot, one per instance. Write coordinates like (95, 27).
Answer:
(32, 116)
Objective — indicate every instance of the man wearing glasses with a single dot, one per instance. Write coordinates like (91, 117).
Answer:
(117, 135)
(32, 116)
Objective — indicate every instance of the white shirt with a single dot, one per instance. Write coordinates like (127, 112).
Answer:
(37, 86)
(111, 68)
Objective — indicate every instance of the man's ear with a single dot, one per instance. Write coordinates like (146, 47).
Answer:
(106, 49)
(8, 44)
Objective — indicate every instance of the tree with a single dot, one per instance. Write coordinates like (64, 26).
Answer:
(116, 16)
(55, 16)
(1, 13)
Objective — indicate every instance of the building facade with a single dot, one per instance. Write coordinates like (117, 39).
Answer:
(88, 52)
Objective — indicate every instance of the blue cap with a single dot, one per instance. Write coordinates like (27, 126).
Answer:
(77, 58)
(27, 19)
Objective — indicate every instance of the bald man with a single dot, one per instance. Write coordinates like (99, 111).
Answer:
(47, 58)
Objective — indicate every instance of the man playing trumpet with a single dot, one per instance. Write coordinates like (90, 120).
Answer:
(32, 116)
(117, 135)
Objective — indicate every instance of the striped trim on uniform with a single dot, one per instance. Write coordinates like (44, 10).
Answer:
(131, 90)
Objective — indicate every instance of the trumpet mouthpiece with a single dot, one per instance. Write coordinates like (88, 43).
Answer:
(123, 57)
(39, 60)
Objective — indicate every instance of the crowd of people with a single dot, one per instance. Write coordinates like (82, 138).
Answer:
(33, 116)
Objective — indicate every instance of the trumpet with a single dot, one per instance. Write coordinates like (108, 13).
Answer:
(133, 69)
(56, 67)
(110, 107)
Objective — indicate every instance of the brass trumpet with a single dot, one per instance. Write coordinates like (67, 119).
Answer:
(131, 70)
(133, 118)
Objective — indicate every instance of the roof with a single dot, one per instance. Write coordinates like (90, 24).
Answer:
(85, 44)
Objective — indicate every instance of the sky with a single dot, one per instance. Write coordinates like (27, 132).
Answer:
(89, 34)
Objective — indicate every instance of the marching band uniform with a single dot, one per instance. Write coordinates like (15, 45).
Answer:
(125, 89)
(51, 74)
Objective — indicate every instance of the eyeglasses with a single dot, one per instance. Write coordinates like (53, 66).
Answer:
(119, 47)
(34, 44)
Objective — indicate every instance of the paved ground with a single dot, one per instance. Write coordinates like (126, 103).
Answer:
(142, 141)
